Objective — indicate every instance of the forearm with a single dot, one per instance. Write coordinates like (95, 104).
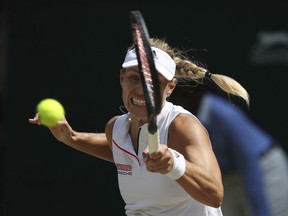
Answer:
(94, 144)
(201, 182)
(201, 185)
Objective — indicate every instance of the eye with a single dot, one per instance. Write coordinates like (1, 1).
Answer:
(133, 78)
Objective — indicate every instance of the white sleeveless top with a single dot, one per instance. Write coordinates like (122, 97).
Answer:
(147, 193)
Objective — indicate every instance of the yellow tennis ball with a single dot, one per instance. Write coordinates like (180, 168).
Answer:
(50, 111)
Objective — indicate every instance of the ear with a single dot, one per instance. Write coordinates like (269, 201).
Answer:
(122, 74)
(172, 85)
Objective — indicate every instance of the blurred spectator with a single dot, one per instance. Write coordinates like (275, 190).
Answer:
(254, 166)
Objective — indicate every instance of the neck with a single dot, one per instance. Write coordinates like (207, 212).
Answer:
(135, 123)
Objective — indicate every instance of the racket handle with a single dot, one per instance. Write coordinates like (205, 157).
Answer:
(153, 141)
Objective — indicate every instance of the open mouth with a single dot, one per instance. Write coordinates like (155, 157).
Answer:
(138, 102)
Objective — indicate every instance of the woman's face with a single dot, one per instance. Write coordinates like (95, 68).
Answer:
(133, 94)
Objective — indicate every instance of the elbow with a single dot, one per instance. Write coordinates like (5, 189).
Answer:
(212, 198)
(216, 202)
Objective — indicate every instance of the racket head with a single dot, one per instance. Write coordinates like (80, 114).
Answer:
(148, 72)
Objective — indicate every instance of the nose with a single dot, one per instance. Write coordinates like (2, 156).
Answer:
(139, 88)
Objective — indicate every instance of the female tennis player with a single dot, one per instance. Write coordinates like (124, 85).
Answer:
(182, 177)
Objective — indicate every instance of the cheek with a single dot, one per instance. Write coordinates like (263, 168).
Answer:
(125, 92)
(164, 89)
(125, 87)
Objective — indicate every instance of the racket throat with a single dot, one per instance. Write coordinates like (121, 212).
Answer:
(152, 124)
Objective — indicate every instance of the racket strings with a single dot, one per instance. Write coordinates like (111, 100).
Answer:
(144, 64)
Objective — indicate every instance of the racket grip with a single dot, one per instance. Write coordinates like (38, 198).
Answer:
(153, 141)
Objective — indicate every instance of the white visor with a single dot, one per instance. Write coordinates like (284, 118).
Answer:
(164, 64)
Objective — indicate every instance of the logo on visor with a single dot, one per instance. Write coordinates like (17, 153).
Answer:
(154, 54)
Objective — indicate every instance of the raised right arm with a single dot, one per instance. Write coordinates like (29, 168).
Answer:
(94, 144)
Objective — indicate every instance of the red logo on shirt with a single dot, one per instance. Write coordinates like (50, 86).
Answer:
(124, 167)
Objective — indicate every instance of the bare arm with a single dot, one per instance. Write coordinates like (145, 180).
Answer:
(202, 178)
(94, 144)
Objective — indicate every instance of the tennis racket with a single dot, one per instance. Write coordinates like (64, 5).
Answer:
(149, 76)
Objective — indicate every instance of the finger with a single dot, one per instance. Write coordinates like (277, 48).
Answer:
(35, 120)
(160, 153)
(62, 121)
(162, 168)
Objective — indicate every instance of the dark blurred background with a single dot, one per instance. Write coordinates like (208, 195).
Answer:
(72, 51)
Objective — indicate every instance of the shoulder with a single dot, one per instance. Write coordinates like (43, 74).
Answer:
(182, 117)
(187, 126)
(109, 128)
(186, 120)
(112, 121)
(119, 122)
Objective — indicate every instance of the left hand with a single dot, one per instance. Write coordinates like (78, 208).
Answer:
(160, 161)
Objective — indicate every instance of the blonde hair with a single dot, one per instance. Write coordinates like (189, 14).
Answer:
(185, 68)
